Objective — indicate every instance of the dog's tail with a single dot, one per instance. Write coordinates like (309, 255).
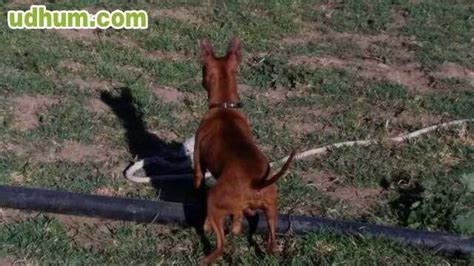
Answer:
(275, 177)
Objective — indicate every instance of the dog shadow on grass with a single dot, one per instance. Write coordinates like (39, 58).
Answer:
(144, 144)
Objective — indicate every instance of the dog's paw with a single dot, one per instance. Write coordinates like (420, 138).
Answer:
(271, 248)
(237, 228)
(206, 260)
(203, 261)
(211, 258)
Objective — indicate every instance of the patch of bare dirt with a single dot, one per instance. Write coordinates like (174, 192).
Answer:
(301, 127)
(85, 231)
(123, 41)
(327, 6)
(7, 261)
(381, 47)
(384, 56)
(275, 96)
(180, 13)
(400, 124)
(304, 208)
(194, 98)
(185, 116)
(166, 55)
(469, 141)
(253, 59)
(114, 168)
(121, 191)
(71, 151)
(92, 35)
(322, 180)
(278, 95)
(166, 135)
(134, 69)
(166, 94)
(451, 70)
(9, 70)
(72, 220)
(310, 128)
(318, 61)
(408, 75)
(421, 119)
(360, 199)
(86, 35)
(106, 191)
(243, 88)
(303, 39)
(317, 112)
(78, 153)
(10, 261)
(92, 84)
(465, 137)
(8, 216)
(17, 149)
(363, 41)
(99, 107)
(27, 110)
(399, 19)
(17, 177)
(71, 66)
(266, 149)
(448, 159)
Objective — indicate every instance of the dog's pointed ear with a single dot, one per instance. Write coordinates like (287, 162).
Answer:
(234, 49)
(206, 50)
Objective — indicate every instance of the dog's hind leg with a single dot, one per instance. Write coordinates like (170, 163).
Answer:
(271, 215)
(216, 222)
(236, 223)
(198, 173)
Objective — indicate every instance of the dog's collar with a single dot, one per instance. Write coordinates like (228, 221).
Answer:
(226, 105)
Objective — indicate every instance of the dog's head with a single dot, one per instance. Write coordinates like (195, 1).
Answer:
(220, 73)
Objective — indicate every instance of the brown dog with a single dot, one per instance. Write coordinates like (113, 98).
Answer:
(224, 145)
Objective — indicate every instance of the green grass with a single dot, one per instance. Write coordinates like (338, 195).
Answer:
(424, 180)
(445, 29)
(363, 16)
(47, 240)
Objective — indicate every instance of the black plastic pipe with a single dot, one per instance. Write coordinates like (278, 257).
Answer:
(146, 211)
